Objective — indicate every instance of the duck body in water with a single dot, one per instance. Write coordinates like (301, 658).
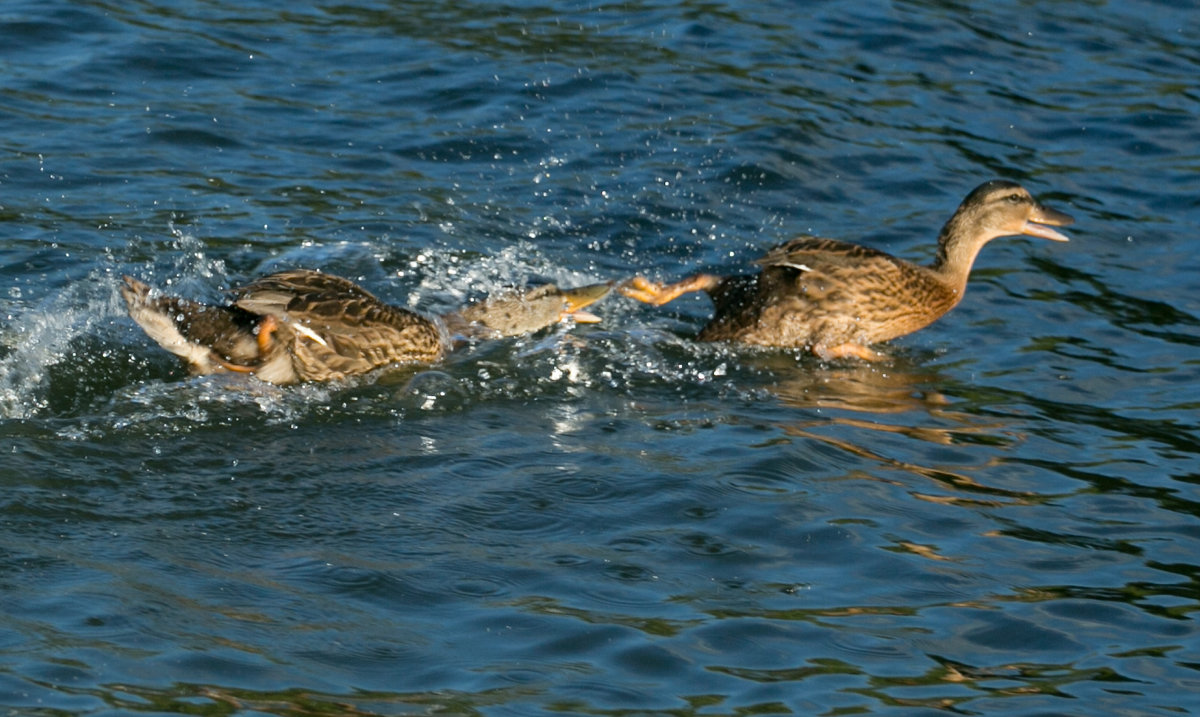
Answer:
(837, 299)
(309, 326)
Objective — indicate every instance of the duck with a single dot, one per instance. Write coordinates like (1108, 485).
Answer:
(837, 299)
(309, 326)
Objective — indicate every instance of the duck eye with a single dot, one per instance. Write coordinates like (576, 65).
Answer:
(1015, 198)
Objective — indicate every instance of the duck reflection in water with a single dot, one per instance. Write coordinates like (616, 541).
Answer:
(837, 299)
(889, 419)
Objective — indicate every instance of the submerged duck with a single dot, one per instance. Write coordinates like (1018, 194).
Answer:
(309, 326)
(837, 299)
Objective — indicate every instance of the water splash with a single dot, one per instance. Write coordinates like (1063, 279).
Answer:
(40, 338)
(76, 356)
(66, 348)
(453, 278)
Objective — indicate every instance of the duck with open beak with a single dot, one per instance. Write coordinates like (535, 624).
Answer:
(837, 299)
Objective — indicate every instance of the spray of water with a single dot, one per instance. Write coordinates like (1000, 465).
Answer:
(40, 337)
(78, 349)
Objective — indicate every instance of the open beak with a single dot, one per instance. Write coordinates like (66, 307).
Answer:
(1036, 225)
(580, 298)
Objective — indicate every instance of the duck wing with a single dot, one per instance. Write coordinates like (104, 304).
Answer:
(827, 257)
(838, 273)
(831, 292)
(336, 328)
(279, 293)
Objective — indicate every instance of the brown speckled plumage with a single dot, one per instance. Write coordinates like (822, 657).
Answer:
(309, 326)
(837, 299)
(358, 332)
(784, 305)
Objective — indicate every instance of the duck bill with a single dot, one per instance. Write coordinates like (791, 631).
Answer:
(583, 317)
(582, 297)
(1039, 223)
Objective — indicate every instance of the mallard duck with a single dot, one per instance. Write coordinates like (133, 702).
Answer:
(837, 299)
(309, 326)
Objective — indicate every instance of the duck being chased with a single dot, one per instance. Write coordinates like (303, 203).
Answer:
(308, 326)
(837, 299)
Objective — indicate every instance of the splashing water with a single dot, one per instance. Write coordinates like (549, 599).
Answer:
(445, 274)
(77, 357)
(41, 338)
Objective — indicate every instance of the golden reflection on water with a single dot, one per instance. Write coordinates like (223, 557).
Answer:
(864, 388)
(902, 402)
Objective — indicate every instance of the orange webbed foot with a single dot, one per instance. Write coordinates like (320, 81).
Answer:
(229, 366)
(649, 292)
(641, 289)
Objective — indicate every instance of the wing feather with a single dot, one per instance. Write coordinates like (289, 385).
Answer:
(340, 328)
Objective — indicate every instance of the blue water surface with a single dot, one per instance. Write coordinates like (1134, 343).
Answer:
(1001, 518)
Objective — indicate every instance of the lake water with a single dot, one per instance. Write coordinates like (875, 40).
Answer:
(1003, 518)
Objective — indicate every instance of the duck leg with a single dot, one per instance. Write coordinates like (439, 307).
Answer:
(649, 292)
(848, 351)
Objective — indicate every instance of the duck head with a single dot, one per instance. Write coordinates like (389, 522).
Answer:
(522, 312)
(994, 209)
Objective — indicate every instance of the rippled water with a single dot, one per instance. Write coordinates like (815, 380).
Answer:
(1000, 519)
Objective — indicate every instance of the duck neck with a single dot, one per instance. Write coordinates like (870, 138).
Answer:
(957, 249)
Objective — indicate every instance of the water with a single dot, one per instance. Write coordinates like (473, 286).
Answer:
(1000, 519)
